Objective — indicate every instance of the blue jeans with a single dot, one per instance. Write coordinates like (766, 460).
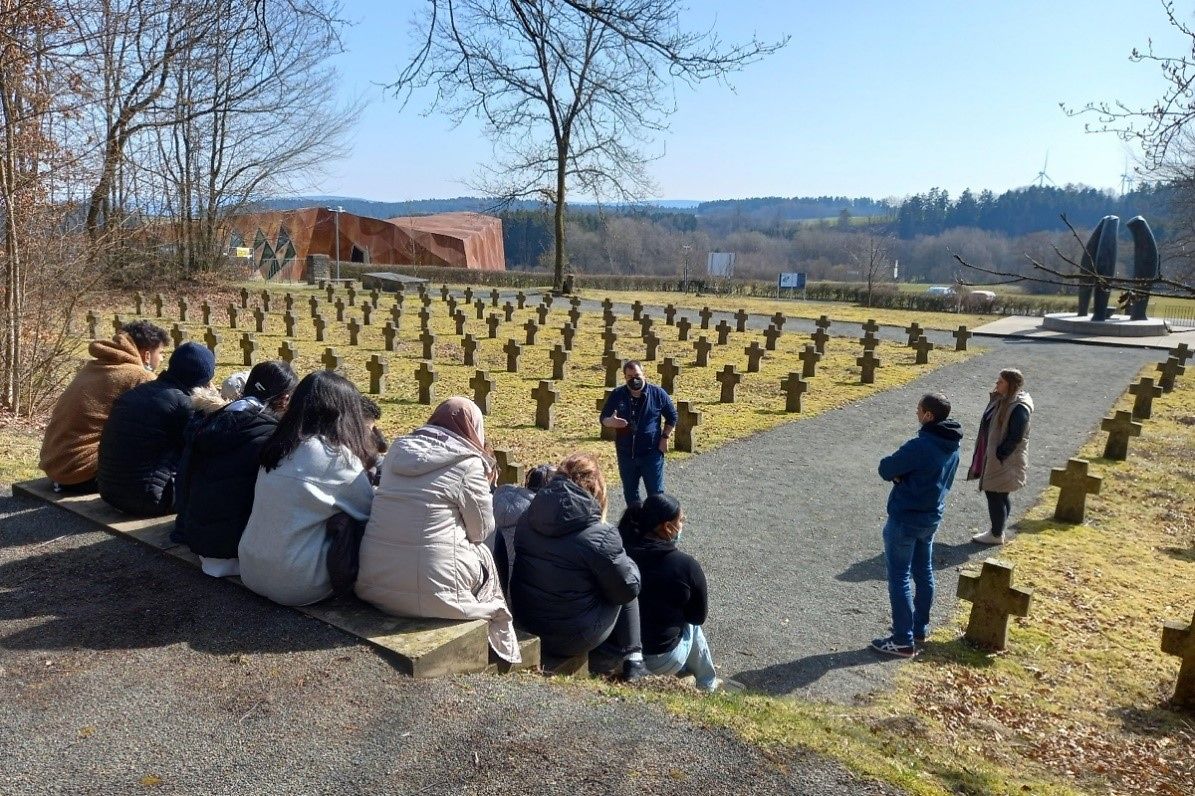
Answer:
(909, 553)
(650, 468)
(692, 655)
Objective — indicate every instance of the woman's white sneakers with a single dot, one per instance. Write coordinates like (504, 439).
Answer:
(987, 537)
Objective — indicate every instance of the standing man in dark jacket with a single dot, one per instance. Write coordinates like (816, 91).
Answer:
(634, 411)
(922, 472)
(142, 440)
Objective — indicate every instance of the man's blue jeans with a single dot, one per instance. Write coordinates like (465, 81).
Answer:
(909, 553)
(650, 468)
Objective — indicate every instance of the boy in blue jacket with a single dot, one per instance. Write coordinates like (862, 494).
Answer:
(921, 472)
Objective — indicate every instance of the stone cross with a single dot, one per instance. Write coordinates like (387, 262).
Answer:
(244, 298)
(668, 370)
(607, 305)
(1074, 486)
(687, 418)
(545, 396)
(494, 296)
(607, 433)
(542, 312)
(793, 388)
(706, 314)
(176, 334)
(778, 320)
(352, 294)
(182, 310)
(670, 315)
(116, 325)
(567, 332)
(1120, 427)
(770, 336)
(637, 310)
(574, 316)
(248, 348)
(512, 350)
(1179, 639)
(330, 291)
(993, 600)
(259, 320)
(559, 356)
(396, 316)
(703, 348)
(211, 340)
(913, 330)
(729, 378)
(288, 301)
(509, 472)
(922, 347)
(374, 296)
(532, 329)
(459, 320)
(809, 358)
(93, 320)
(652, 347)
(429, 341)
(612, 362)
(754, 355)
(339, 305)
(871, 327)
(330, 360)
(521, 298)
(450, 302)
(823, 322)
(961, 335)
(388, 333)
(609, 337)
(444, 293)
(1182, 352)
(286, 351)
(682, 329)
(492, 323)
(868, 364)
(1171, 369)
(645, 324)
(313, 303)
(426, 376)
(482, 386)
(608, 318)
(508, 310)
(425, 319)
(138, 300)
(319, 323)
(354, 330)
(1145, 391)
(740, 320)
(232, 316)
(723, 330)
(366, 311)
(820, 338)
(265, 300)
(479, 309)
(205, 313)
(468, 295)
(469, 347)
(869, 342)
(377, 368)
(288, 322)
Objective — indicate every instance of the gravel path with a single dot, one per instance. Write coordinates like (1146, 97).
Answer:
(787, 523)
(123, 671)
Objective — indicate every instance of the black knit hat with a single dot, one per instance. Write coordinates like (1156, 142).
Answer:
(191, 365)
(657, 510)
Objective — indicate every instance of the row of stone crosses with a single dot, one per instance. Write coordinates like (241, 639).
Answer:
(994, 599)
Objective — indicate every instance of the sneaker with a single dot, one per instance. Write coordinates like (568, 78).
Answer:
(987, 537)
(888, 646)
(918, 641)
(728, 686)
(634, 670)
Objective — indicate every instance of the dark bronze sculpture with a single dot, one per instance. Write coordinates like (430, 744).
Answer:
(1145, 263)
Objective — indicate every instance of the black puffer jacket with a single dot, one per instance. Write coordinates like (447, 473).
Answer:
(141, 445)
(217, 476)
(673, 595)
(571, 573)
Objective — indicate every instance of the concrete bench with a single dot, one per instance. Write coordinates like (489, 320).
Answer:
(417, 647)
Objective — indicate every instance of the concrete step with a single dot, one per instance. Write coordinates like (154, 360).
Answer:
(417, 647)
(528, 646)
(576, 666)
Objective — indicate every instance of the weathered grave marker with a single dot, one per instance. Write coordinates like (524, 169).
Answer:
(182, 309)
(682, 329)
(176, 334)
(687, 419)
(396, 316)
(459, 321)
(508, 311)
(1074, 486)
(869, 342)
(521, 298)
(609, 338)
(754, 354)
(259, 320)
(729, 378)
(388, 333)
(961, 335)
(288, 323)
(778, 320)
(868, 364)
(286, 351)
(426, 377)
(723, 330)
(793, 388)
(670, 315)
(244, 298)
(138, 301)
(914, 331)
(354, 331)
(740, 320)
(212, 341)
(494, 297)
(574, 316)
(248, 349)
(703, 347)
(320, 324)
(1179, 639)
(1120, 427)
(1182, 352)
(313, 303)
(668, 370)
(468, 294)
(492, 323)
(607, 433)
(559, 356)
(1171, 369)
(425, 319)
(377, 367)
(651, 347)
(993, 600)
(809, 358)
(637, 311)
(330, 360)
(232, 316)
(513, 351)
(612, 362)
(922, 346)
(820, 338)
(531, 328)
(567, 332)
(339, 305)
(545, 396)
(645, 324)
(469, 347)
(92, 321)
(265, 300)
(352, 294)
(375, 296)
(542, 313)
(479, 309)
(366, 312)
(482, 386)
(871, 327)
(509, 472)
(428, 340)
(205, 313)
(770, 336)
(116, 325)
(1145, 391)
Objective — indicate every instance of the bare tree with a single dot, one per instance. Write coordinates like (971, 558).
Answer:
(570, 91)
(871, 252)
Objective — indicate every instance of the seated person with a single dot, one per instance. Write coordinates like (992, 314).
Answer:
(510, 501)
(373, 413)
(70, 447)
(573, 584)
(142, 441)
(314, 465)
(672, 600)
(424, 553)
(214, 490)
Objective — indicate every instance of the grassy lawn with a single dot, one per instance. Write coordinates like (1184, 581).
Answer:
(1078, 702)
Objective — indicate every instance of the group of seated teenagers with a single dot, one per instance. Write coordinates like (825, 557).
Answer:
(289, 484)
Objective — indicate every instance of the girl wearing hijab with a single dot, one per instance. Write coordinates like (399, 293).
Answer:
(424, 551)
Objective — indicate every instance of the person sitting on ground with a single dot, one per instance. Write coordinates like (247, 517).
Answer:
(70, 447)
(672, 600)
(510, 501)
(424, 552)
(216, 477)
(573, 584)
(373, 413)
(315, 464)
(142, 441)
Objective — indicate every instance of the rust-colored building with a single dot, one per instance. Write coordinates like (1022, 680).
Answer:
(280, 240)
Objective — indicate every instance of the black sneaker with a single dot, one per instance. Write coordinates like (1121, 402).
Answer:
(633, 670)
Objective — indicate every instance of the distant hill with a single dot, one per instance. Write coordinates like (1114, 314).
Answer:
(471, 204)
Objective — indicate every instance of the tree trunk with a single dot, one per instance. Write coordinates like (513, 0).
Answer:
(561, 165)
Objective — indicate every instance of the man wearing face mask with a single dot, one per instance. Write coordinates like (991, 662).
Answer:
(635, 411)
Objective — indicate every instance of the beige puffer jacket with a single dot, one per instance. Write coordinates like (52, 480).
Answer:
(1008, 475)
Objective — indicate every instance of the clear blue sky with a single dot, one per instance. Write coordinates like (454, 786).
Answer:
(869, 98)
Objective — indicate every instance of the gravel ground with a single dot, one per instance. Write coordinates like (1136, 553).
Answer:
(787, 523)
(123, 671)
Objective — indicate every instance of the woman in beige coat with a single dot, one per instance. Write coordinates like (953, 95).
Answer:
(1001, 457)
(424, 552)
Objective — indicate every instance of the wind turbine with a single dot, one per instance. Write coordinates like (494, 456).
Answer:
(1126, 179)
(1042, 177)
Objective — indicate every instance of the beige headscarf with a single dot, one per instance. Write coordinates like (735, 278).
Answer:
(462, 417)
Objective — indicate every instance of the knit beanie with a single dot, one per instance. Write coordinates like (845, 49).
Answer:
(191, 365)
(657, 510)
